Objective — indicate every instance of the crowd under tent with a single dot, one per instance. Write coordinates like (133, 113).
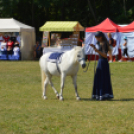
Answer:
(64, 27)
(27, 35)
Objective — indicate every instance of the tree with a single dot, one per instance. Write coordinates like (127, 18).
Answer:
(92, 11)
(124, 6)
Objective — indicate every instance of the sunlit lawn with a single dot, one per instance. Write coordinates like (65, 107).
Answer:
(23, 111)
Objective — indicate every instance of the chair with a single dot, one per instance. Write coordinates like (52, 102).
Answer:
(3, 57)
(13, 57)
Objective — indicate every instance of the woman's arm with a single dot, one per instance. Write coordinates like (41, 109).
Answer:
(125, 44)
(103, 54)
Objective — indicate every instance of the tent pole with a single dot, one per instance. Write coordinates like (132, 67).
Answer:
(49, 39)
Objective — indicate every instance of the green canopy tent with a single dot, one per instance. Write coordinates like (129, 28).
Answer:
(61, 26)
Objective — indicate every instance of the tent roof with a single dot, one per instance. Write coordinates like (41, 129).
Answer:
(106, 26)
(12, 25)
(128, 28)
(62, 26)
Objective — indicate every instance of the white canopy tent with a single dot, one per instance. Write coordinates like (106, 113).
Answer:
(27, 34)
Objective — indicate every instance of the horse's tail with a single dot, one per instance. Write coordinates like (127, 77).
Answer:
(42, 79)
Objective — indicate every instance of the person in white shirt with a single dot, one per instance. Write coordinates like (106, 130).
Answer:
(3, 47)
(16, 50)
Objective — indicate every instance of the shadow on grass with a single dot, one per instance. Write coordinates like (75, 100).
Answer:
(123, 99)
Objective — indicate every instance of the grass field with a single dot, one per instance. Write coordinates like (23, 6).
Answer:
(23, 111)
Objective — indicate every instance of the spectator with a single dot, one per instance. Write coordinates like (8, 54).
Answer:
(9, 47)
(18, 39)
(16, 49)
(37, 50)
(3, 47)
(9, 50)
(1, 38)
(10, 43)
(16, 44)
(125, 50)
(111, 44)
(13, 38)
(6, 38)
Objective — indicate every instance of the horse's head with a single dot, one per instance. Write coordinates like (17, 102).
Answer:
(80, 56)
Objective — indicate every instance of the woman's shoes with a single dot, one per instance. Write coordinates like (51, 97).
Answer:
(110, 61)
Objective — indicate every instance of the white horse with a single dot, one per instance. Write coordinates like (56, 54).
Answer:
(69, 66)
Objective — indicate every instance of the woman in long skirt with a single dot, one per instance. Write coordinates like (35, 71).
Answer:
(102, 89)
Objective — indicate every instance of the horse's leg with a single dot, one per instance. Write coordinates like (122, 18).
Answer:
(56, 92)
(62, 86)
(75, 86)
(46, 82)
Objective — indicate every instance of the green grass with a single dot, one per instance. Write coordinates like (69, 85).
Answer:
(23, 111)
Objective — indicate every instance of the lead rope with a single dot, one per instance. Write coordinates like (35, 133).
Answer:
(58, 66)
(89, 61)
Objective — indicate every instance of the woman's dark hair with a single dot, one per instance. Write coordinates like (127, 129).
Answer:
(101, 34)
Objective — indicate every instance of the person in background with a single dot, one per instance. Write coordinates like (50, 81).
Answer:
(37, 51)
(111, 45)
(16, 49)
(18, 39)
(102, 88)
(3, 47)
(9, 47)
(1, 38)
(13, 38)
(16, 43)
(10, 43)
(6, 38)
(125, 50)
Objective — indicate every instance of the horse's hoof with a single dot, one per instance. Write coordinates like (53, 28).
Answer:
(57, 96)
(78, 98)
(61, 98)
(45, 97)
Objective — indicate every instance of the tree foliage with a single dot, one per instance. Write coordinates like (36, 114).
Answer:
(87, 12)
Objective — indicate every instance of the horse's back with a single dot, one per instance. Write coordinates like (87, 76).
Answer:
(67, 65)
(48, 67)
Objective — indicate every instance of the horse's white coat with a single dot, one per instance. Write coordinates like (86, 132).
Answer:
(69, 66)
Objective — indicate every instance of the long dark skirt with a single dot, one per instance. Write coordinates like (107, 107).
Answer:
(102, 88)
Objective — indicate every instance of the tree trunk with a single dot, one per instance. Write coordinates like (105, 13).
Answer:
(124, 6)
(92, 11)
